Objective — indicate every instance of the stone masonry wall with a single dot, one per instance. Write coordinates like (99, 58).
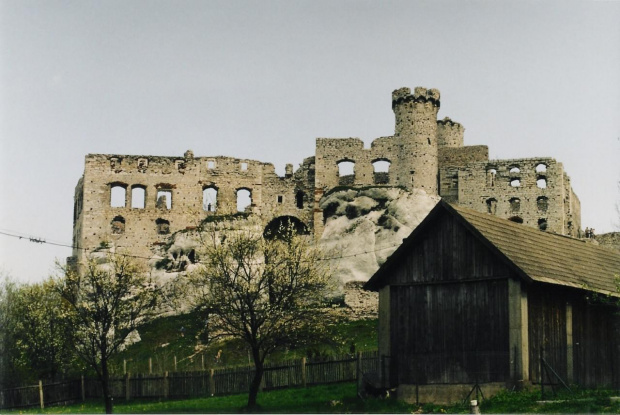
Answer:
(534, 191)
(424, 153)
(145, 220)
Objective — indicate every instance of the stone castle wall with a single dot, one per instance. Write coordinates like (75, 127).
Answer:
(424, 153)
(144, 218)
(534, 191)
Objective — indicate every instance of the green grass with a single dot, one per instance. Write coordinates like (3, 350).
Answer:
(342, 398)
(337, 398)
(167, 331)
(529, 401)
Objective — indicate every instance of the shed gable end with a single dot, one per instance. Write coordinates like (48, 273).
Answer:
(446, 250)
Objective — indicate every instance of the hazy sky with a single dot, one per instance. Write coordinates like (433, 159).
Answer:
(262, 80)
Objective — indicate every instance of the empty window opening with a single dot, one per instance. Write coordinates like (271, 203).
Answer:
(491, 177)
(164, 199)
(115, 164)
(542, 203)
(515, 204)
(210, 164)
(163, 226)
(492, 206)
(542, 224)
(299, 199)
(244, 199)
(541, 168)
(138, 197)
(209, 199)
(516, 219)
(346, 168)
(118, 225)
(381, 171)
(515, 183)
(346, 172)
(117, 195)
(244, 166)
(142, 165)
(429, 141)
(280, 198)
(180, 165)
(541, 182)
(515, 170)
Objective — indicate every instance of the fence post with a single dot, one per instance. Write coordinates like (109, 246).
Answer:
(303, 371)
(166, 385)
(202, 356)
(83, 389)
(150, 365)
(211, 383)
(175, 363)
(124, 366)
(127, 387)
(359, 371)
(41, 394)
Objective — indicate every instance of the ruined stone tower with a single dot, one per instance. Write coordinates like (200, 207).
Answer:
(416, 133)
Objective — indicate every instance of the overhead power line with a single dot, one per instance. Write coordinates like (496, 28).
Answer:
(44, 241)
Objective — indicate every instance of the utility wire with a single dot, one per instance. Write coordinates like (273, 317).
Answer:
(43, 241)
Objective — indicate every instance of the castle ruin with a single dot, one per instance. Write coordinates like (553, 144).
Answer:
(137, 202)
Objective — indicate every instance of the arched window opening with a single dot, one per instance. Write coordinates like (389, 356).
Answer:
(542, 224)
(284, 227)
(515, 170)
(163, 226)
(542, 203)
(118, 194)
(118, 225)
(244, 199)
(541, 182)
(138, 197)
(346, 172)
(210, 164)
(515, 204)
(515, 183)
(492, 206)
(244, 166)
(164, 199)
(541, 168)
(299, 199)
(209, 199)
(381, 171)
(516, 219)
(491, 177)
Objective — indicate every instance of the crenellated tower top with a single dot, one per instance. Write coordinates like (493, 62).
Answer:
(449, 133)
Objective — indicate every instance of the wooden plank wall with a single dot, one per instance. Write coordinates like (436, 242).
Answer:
(595, 344)
(450, 333)
(547, 329)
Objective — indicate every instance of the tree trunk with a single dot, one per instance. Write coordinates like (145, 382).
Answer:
(255, 385)
(105, 386)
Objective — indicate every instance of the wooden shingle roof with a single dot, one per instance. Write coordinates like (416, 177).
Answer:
(534, 254)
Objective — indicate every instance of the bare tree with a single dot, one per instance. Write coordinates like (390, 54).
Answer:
(268, 293)
(106, 300)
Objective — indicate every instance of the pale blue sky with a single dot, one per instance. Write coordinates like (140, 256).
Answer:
(262, 80)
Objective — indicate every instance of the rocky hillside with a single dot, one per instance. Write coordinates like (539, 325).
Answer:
(364, 226)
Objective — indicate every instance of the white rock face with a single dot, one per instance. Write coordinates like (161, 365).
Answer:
(364, 227)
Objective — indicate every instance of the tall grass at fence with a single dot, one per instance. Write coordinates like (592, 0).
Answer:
(212, 382)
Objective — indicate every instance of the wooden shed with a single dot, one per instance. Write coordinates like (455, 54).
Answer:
(469, 298)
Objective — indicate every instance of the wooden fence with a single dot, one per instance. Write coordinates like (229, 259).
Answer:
(213, 382)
